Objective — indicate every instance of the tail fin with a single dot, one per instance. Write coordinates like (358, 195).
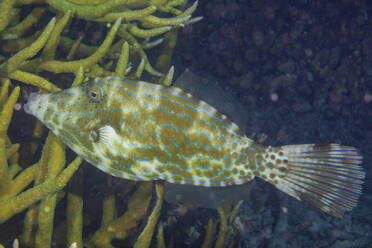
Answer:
(328, 177)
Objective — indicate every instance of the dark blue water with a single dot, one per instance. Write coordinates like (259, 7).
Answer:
(302, 72)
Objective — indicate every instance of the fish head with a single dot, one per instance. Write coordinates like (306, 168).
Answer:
(74, 114)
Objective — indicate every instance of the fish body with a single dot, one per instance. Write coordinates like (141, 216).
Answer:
(142, 131)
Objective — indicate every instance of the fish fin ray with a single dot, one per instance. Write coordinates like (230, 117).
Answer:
(328, 177)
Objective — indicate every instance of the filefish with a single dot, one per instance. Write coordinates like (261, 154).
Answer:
(142, 131)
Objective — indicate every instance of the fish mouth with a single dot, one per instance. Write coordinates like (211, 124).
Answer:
(31, 103)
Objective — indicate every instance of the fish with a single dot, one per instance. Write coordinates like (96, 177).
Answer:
(142, 131)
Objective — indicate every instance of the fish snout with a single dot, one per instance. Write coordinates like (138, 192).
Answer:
(32, 103)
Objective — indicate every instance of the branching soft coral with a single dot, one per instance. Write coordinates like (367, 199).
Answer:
(24, 58)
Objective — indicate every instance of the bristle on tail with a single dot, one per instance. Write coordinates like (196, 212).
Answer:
(328, 177)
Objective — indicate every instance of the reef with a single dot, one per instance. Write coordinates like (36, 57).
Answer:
(46, 196)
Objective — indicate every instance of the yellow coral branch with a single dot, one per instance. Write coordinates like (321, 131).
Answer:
(20, 2)
(137, 47)
(141, 3)
(109, 208)
(5, 117)
(160, 237)
(85, 11)
(190, 10)
(12, 150)
(45, 221)
(72, 66)
(56, 161)
(51, 46)
(43, 162)
(16, 45)
(14, 62)
(29, 224)
(33, 79)
(148, 44)
(235, 212)
(4, 93)
(120, 227)
(170, 9)
(56, 158)
(97, 71)
(79, 77)
(123, 60)
(20, 182)
(158, 21)
(87, 2)
(140, 68)
(128, 15)
(10, 207)
(38, 129)
(164, 60)
(75, 210)
(18, 30)
(5, 12)
(168, 79)
(146, 33)
(211, 230)
(13, 170)
(75, 46)
(144, 239)
(222, 234)
(177, 2)
(7, 112)
(67, 45)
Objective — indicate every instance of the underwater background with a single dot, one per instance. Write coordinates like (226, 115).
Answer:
(299, 72)
(287, 72)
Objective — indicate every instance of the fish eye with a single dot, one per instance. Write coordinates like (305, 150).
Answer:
(95, 93)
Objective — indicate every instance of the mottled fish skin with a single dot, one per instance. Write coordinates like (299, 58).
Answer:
(143, 131)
